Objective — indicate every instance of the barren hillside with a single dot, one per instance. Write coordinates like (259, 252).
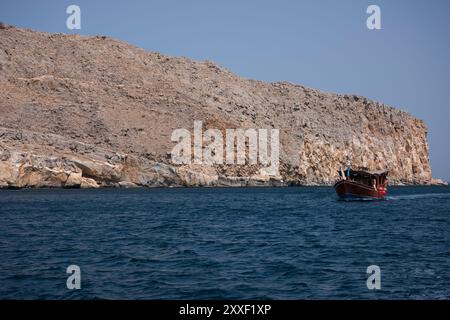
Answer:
(94, 111)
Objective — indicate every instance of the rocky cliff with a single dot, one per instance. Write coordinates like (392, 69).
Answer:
(81, 111)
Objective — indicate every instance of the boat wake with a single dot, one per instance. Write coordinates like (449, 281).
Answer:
(418, 196)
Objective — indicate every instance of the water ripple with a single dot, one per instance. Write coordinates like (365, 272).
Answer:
(291, 243)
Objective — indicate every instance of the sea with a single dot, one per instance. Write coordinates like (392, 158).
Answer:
(224, 243)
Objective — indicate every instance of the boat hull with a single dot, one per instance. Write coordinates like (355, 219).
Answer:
(352, 190)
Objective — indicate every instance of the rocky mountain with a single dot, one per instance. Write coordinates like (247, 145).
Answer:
(79, 111)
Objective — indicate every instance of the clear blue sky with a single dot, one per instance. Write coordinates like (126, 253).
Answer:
(319, 43)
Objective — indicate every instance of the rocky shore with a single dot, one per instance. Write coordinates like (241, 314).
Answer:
(89, 112)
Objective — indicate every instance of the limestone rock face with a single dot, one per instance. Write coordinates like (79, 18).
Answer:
(87, 112)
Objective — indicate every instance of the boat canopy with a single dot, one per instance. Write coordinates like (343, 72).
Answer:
(370, 173)
(367, 173)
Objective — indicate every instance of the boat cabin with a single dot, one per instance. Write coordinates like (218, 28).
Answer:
(373, 179)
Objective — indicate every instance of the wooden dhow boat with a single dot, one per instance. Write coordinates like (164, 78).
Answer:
(362, 185)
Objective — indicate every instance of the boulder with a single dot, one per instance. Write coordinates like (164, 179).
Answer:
(88, 183)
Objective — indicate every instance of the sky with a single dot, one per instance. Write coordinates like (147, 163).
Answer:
(324, 44)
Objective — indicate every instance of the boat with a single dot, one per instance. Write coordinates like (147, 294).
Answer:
(362, 185)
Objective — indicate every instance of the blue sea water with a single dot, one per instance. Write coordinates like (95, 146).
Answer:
(251, 243)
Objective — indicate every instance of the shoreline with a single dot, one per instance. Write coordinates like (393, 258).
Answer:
(208, 187)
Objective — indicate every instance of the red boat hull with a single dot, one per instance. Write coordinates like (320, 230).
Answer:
(348, 189)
